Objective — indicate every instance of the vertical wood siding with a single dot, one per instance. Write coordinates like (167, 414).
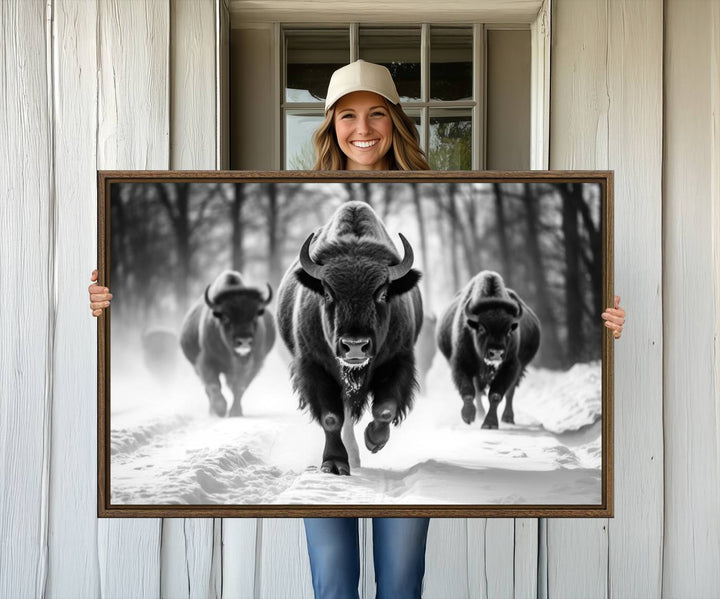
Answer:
(133, 122)
(635, 89)
(117, 84)
(692, 401)
(606, 112)
(190, 567)
(577, 550)
(73, 549)
(27, 306)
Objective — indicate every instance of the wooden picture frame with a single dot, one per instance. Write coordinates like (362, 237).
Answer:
(151, 222)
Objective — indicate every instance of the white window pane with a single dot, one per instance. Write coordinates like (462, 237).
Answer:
(450, 139)
(451, 63)
(398, 50)
(299, 149)
(311, 58)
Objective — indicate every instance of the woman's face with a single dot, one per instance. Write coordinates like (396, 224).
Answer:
(364, 130)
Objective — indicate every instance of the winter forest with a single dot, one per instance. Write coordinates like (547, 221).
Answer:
(169, 241)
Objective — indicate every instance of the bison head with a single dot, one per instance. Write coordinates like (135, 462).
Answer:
(357, 281)
(237, 311)
(493, 322)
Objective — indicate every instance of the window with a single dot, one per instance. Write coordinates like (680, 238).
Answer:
(436, 69)
(468, 88)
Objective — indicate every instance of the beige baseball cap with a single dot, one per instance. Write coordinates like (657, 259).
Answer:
(361, 76)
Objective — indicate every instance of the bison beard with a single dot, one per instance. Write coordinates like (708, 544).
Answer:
(350, 315)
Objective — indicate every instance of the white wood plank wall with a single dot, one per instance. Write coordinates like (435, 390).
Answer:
(118, 84)
(691, 300)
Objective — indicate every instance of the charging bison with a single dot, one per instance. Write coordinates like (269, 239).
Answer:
(228, 331)
(350, 311)
(488, 335)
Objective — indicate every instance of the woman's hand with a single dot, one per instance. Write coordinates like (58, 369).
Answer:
(615, 318)
(99, 296)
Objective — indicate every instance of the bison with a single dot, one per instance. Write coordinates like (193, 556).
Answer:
(349, 311)
(488, 335)
(228, 330)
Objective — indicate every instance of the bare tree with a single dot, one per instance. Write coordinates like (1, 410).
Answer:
(543, 306)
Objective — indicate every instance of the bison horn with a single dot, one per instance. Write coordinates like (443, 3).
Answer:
(308, 265)
(400, 270)
(269, 294)
(469, 315)
(207, 298)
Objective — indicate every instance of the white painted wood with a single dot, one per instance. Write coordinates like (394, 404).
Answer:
(577, 552)
(133, 119)
(239, 551)
(635, 123)
(73, 562)
(26, 295)
(540, 32)
(526, 558)
(692, 395)
(283, 567)
(129, 558)
(498, 563)
(399, 11)
(187, 555)
(193, 85)
(447, 560)
(607, 113)
(133, 132)
(577, 559)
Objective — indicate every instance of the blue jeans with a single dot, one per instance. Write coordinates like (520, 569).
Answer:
(398, 552)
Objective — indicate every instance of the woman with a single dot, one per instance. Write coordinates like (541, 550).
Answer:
(365, 129)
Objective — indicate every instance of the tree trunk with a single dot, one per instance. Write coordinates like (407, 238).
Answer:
(505, 258)
(238, 231)
(423, 246)
(274, 266)
(571, 194)
(552, 354)
(452, 218)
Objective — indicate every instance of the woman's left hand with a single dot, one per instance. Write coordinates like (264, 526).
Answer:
(615, 318)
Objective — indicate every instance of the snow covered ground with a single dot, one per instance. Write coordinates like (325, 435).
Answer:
(167, 449)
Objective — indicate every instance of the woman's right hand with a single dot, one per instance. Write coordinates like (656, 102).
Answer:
(99, 296)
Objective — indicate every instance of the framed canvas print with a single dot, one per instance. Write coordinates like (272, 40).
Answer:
(367, 344)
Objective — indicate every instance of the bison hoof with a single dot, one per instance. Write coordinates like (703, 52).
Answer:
(491, 424)
(218, 407)
(509, 418)
(236, 410)
(376, 436)
(335, 467)
(468, 412)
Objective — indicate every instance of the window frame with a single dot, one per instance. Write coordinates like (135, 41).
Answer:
(476, 106)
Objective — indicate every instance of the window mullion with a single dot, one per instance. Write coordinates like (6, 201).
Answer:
(425, 85)
(479, 111)
(354, 41)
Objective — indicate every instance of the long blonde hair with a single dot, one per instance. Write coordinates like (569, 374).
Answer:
(404, 155)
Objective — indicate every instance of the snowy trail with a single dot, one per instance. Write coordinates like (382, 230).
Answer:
(166, 449)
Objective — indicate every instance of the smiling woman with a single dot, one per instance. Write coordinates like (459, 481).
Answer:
(365, 128)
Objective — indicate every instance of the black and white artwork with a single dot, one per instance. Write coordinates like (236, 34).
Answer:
(311, 342)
